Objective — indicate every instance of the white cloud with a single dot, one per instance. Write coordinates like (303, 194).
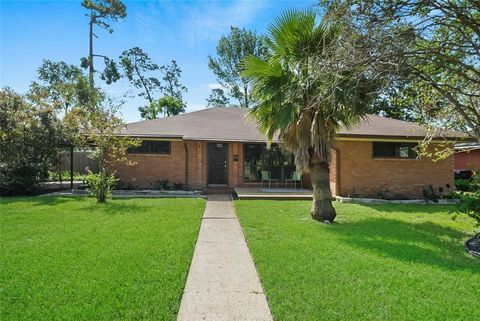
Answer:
(208, 20)
(215, 86)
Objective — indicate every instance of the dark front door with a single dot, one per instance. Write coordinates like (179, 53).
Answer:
(217, 163)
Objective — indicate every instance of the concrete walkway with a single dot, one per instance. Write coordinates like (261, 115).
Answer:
(222, 283)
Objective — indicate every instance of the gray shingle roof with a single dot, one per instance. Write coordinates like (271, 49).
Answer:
(231, 124)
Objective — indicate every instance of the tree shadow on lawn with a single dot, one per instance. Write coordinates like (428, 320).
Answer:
(425, 243)
(38, 200)
(114, 207)
(111, 207)
(411, 208)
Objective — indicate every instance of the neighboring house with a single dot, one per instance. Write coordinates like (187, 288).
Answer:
(467, 157)
(222, 147)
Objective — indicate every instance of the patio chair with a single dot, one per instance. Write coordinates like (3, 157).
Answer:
(296, 177)
(267, 176)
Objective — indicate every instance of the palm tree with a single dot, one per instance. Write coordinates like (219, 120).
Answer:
(305, 96)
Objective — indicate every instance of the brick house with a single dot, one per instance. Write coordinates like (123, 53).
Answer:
(222, 147)
(467, 157)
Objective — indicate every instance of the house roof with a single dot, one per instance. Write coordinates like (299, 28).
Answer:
(467, 146)
(232, 124)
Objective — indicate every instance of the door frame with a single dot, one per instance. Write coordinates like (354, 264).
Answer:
(208, 163)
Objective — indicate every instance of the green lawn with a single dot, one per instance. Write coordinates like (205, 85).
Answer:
(72, 259)
(379, 262)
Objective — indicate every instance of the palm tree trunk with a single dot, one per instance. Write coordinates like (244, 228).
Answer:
(322, 208)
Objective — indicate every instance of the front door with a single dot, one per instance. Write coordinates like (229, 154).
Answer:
(217, 164)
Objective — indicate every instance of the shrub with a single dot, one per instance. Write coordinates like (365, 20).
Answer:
(470, 205)
(178, 186)
(462, 185)
(451, 195)
(475, 183)
(29, 140)
(470, 201)
(124, 185)
(162, 184)
(100, 185)
(430, 193)
(386, 194)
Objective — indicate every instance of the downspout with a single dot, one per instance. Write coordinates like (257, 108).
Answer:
(337, 169)
(186, 164)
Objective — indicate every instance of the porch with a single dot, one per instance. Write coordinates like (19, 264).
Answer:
(257, 193)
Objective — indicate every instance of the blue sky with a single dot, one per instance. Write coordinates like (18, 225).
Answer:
(186, 31)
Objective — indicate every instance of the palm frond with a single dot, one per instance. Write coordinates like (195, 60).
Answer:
(301, 98)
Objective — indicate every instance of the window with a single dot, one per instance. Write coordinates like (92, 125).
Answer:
(394, 150)
(258, 158)
(151, 147)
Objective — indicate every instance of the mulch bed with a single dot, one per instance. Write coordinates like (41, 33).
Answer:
(472, 245)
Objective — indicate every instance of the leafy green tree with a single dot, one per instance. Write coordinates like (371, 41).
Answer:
(171, 78)
(29, 139)
(227, 65)
(401, 99)
(171, 106)
(56, 85)
(304, 95)
(434, 44)
(470, 205)
(100, 13)
(97, 122)
(137, 66)
(217, 98)
(166, 106)
(150, 111)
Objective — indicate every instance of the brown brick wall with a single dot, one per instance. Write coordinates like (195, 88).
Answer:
(151, 168)
(197, 163)
(352, 170)
(468, 160)
(235, 167)
(334, 173)
(362, 174)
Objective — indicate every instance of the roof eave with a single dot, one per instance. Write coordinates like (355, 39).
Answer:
(393, 137)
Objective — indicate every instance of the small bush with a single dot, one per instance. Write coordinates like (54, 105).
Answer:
(386, 194)
(178, 186)
(430, 193)
(475, 183)
(121, 185)
(470, 201)
(451, 195)
(100, 185)
(433, 194)
(470, 205)
(462, 185)
(163, 184)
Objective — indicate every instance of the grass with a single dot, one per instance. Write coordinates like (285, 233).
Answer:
(72, 259)
(379, 262)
